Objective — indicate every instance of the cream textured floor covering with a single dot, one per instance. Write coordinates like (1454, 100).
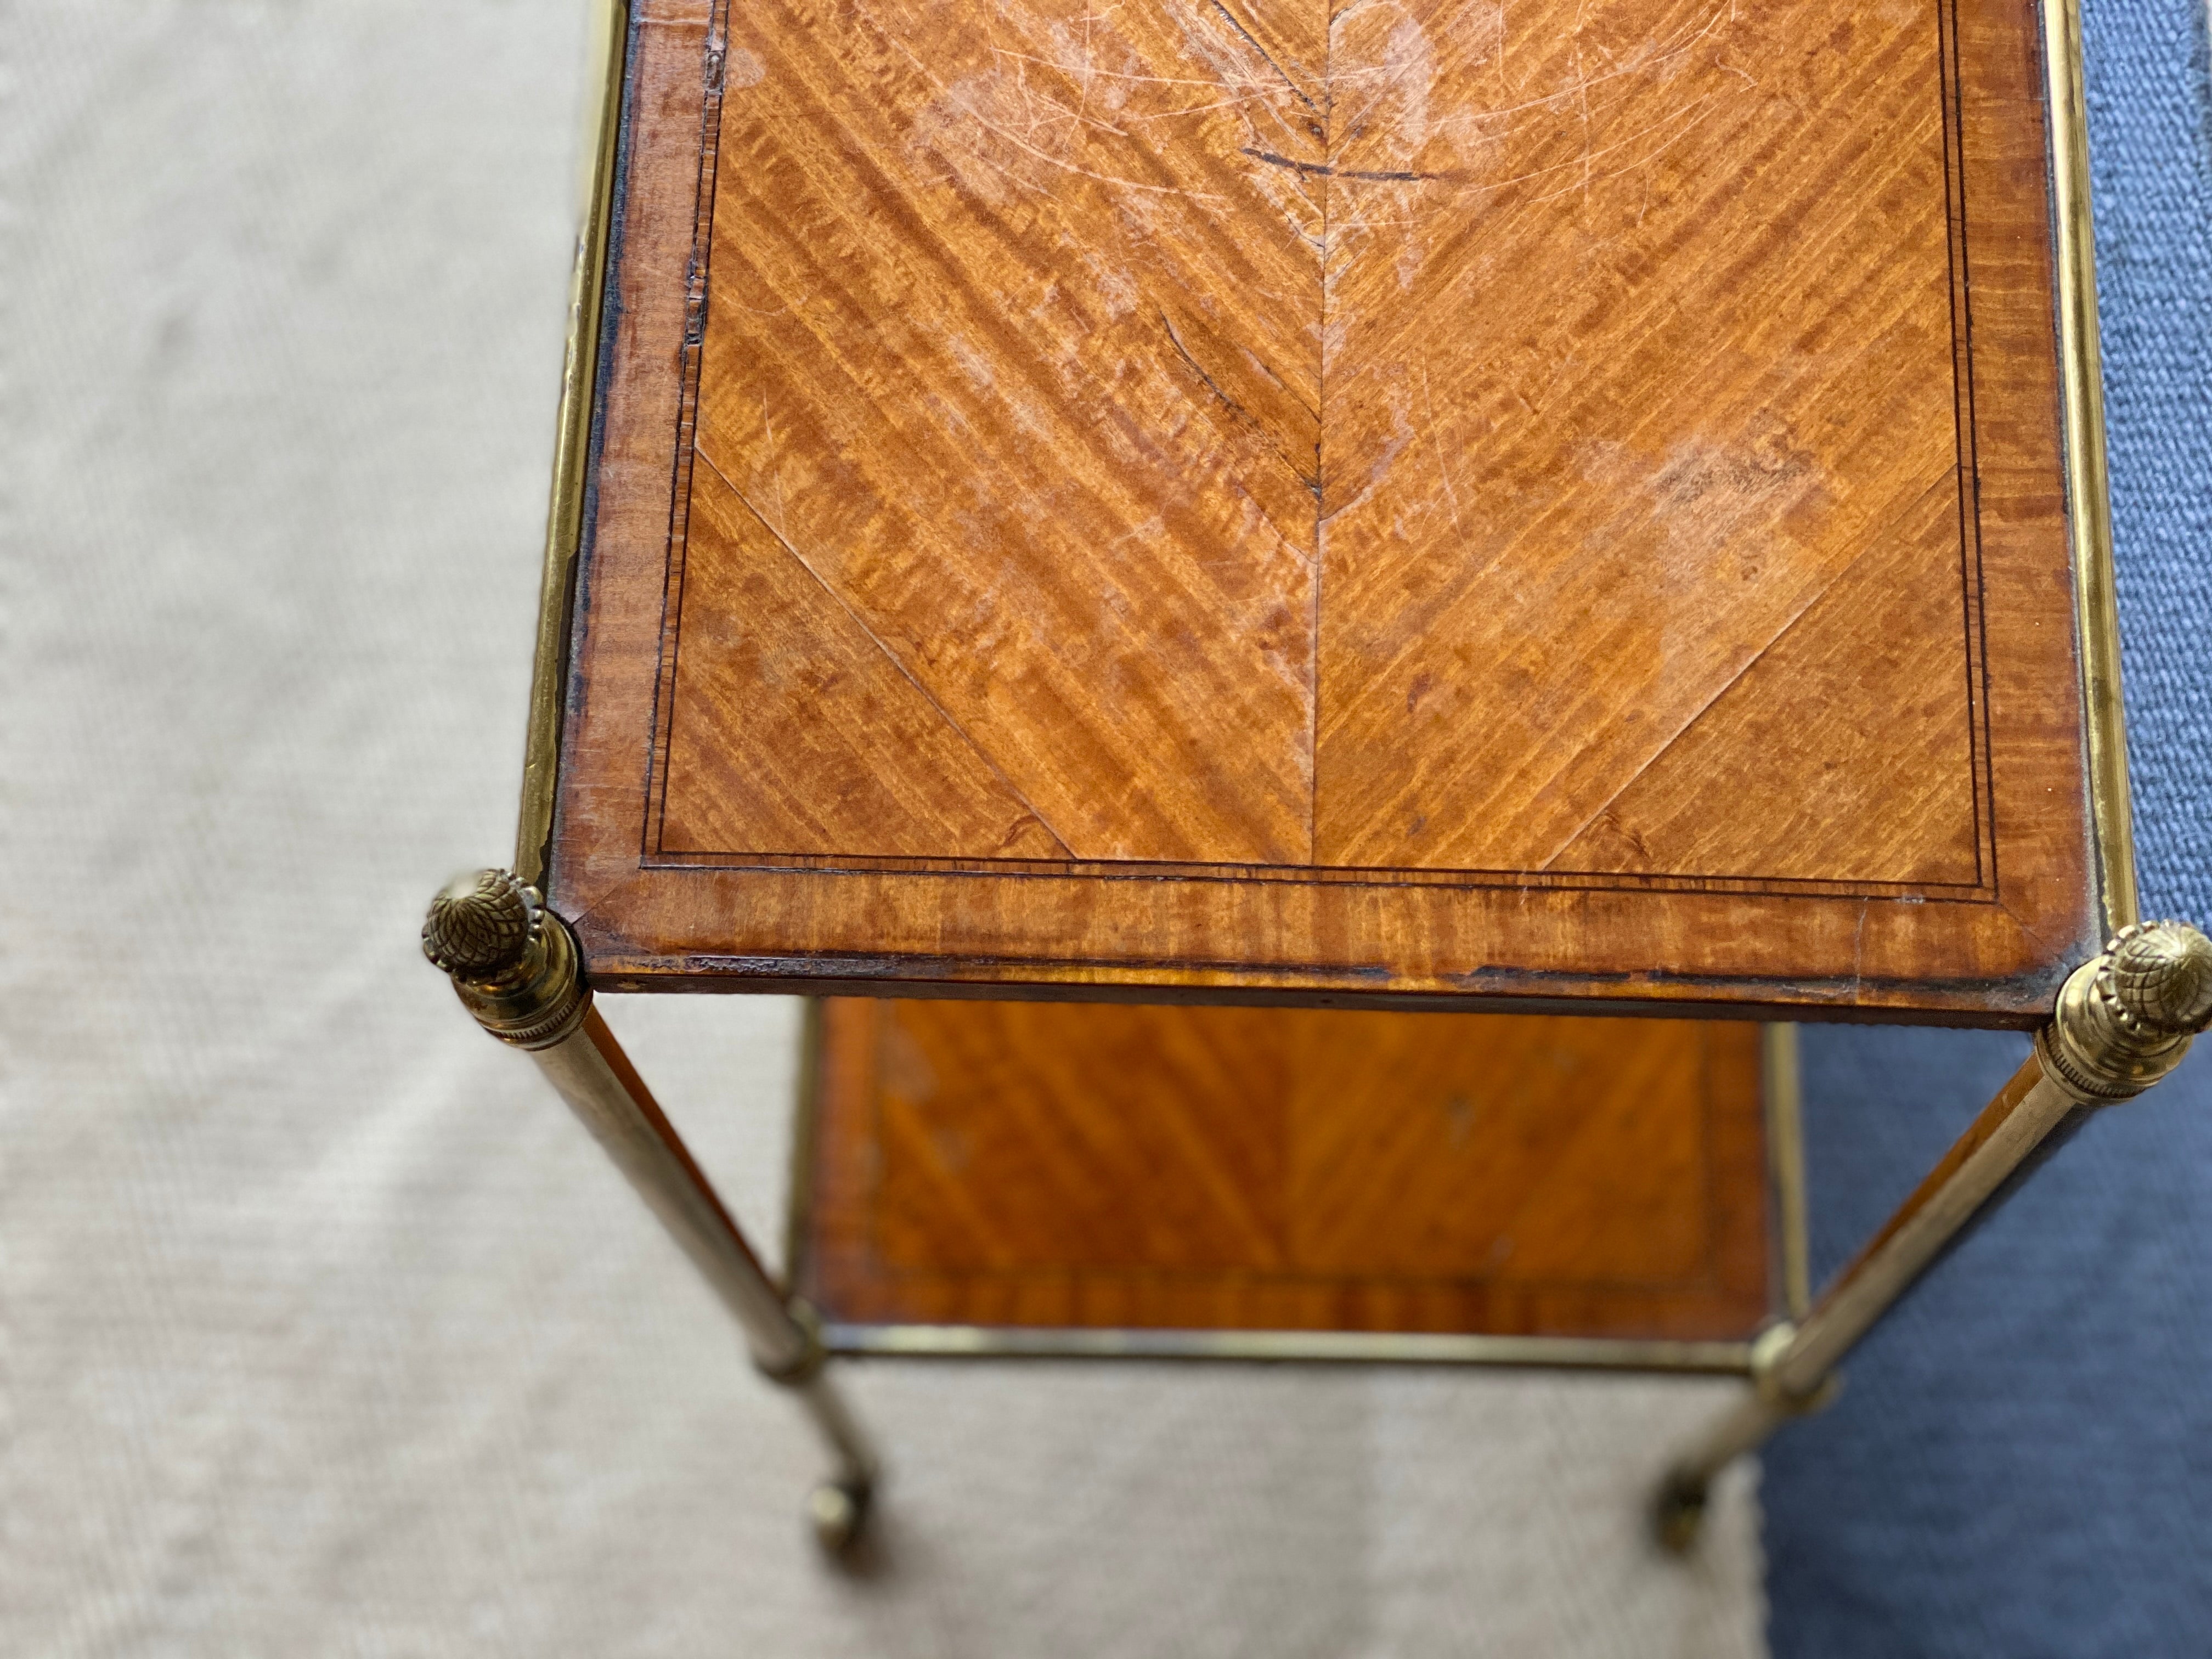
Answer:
(325, 1331)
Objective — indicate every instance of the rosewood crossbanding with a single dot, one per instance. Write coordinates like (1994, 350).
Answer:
(1431, 500)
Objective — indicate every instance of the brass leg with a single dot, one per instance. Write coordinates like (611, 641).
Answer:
(2124, 1020)
(515, 967)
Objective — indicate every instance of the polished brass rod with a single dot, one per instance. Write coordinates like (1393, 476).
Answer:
(1287, 1346)
(2088, 501)
(1743, 1427)
(2006, 1135)
(516, 968)
(1782, 1091)
(572, 441)
(2123, 1021)
(592, 1074)
(1793, 1365)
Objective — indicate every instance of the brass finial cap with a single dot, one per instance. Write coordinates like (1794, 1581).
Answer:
(513, 963)
(482, 925)
(2159, 976)
(2124, 1019)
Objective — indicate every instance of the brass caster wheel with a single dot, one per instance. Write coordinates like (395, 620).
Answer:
(1679, 1513)
(839, 1512)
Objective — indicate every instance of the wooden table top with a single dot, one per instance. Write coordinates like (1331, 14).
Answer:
(1439, 501)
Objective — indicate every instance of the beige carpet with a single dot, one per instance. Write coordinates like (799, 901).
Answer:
(325, 1331)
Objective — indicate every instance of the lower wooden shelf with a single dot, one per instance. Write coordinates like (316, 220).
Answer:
(983, 1177)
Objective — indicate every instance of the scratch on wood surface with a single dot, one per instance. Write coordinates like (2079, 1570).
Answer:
(1312, 481)
(890, 655)
(2042, 939)
(965, 99)
(1297, 91)
(1406, 56)
(1580, 87)
(1593, 95)
(782, 506)
(1587, 179)
(1322, 170)
(1242, 93)
(1444, 463)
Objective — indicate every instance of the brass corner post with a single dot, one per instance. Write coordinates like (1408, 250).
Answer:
(516, 968)
(2123, 1021)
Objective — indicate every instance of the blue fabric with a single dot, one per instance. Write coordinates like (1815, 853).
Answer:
(2150, 136)
(2021, 1463)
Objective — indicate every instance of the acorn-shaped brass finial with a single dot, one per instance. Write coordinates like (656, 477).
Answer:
(482, 925)
(2159, 977)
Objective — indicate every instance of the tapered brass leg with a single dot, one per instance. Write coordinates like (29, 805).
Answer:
(515, 967)
(2123, 1021)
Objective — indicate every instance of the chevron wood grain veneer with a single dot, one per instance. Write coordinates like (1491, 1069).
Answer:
(1349, 500)
(1040, 1165)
